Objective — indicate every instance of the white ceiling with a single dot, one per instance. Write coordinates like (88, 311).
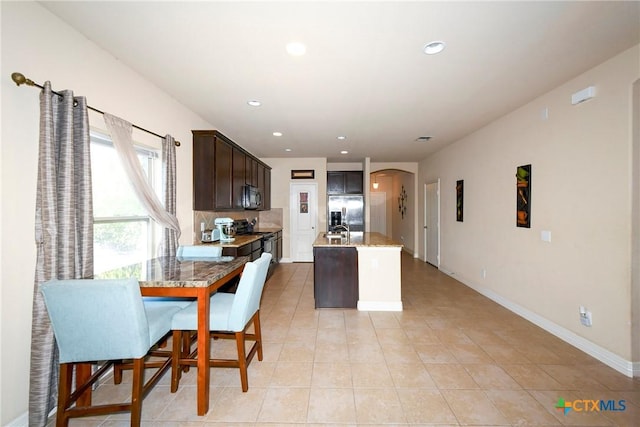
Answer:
(364, 75)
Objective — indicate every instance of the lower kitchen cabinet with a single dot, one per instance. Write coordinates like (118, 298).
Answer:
(335, 277)
(253, 250)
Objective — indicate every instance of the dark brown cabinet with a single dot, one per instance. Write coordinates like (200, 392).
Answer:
(278, 247)
(253, 250)
(238, 178)
(266, 191)
(335, 277)
(221, 168)
(222, 175)
(203, 179)
(345, 182)
(251, 171)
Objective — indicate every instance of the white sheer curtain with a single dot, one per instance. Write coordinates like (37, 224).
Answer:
(121, 134)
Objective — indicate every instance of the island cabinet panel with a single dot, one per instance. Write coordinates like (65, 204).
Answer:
(335, 275)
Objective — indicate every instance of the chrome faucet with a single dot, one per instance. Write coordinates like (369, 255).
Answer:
(345, 227)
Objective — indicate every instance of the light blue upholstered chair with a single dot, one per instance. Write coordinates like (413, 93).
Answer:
(230, 317)
(199, 251)
(104, 320)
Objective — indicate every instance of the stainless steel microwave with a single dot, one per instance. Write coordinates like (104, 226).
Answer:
(251, 197)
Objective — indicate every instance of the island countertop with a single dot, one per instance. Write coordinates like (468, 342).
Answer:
(356, 239)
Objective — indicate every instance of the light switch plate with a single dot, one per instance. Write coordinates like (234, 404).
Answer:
(545, 235)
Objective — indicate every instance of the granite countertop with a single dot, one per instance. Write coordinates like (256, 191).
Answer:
(239, 241)
(356, 239)
(267, 229)
(177, 272)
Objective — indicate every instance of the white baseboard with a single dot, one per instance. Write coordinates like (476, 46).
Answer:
(605, 356)
(21, 421)
(379, 305)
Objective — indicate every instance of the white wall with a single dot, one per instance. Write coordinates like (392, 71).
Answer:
(39, 45)
(581, 192)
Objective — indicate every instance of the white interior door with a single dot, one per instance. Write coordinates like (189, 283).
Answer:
(303, 205)
(378, 211)
(432, 223)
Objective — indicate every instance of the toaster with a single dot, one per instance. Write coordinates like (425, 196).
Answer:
(210, 235)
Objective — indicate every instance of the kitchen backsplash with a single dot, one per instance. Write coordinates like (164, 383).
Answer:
(266, 219)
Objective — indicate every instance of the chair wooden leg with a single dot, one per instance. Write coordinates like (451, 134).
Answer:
(242, 361)
(117, 372)
(176, 369)
(258, 333)
(136, 391)
(64, 392)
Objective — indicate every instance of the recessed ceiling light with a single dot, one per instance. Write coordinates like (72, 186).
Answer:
(434, 47)
(342, 137)
(296, 48)
(277, 134)
(344, 152)
(287, 149)
(254, 103)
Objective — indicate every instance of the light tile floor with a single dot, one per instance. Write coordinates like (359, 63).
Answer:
(451, 358)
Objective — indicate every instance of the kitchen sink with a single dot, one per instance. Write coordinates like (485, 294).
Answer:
(334, 235)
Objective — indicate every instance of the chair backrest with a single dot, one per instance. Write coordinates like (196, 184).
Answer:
(249, 292)
(97, 319)
(199, 251)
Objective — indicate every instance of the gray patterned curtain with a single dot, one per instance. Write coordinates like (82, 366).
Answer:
(63, 229)
(170, 237)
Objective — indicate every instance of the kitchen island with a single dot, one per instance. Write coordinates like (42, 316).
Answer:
(359, 270)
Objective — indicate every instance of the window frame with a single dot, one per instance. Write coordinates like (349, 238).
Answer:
(153, 169)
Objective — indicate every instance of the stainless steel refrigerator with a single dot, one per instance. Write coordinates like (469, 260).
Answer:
(346, 209)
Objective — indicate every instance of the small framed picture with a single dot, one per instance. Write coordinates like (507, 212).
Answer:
(303, 174)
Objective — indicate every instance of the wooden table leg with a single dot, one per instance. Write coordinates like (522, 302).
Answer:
(203, 351)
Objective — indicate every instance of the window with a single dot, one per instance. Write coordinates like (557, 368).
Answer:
(124, 233)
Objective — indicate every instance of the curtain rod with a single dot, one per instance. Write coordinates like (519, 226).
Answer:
(19, 79)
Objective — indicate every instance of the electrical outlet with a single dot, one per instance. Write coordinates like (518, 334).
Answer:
(585, 317)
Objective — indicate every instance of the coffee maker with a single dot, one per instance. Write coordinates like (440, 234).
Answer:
(227, 229)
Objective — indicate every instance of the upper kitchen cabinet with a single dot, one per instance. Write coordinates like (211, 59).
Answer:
(221, 169)
(251, 171)
(345, 182)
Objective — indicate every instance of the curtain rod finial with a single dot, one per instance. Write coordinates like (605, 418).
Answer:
(19, 79)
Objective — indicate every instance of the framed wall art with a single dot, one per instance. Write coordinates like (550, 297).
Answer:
(303, 174)
(523, 196)
(460, 200)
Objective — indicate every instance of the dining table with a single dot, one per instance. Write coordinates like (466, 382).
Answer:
(186, 277)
